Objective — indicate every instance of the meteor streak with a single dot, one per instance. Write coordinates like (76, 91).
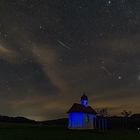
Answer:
(62, 44)
(106, 70)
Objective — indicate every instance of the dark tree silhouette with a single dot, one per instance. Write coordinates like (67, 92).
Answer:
(126, 115)
(102, 112)
(102, 119)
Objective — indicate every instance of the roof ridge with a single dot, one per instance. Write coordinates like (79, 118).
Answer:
(76, 107)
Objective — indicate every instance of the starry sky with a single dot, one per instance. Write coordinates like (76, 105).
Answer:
(51, 51)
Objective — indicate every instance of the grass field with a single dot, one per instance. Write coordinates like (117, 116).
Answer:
(29, 132)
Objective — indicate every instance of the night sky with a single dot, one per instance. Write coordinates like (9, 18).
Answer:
(51, 51)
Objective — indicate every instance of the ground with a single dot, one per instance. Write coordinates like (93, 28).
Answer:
(30, 132)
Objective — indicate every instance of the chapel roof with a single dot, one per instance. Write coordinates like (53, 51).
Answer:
(81, 108)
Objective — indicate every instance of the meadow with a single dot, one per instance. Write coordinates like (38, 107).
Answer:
(32, 132)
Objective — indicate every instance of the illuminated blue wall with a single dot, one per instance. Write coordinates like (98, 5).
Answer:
(81, 120)
(75, 120)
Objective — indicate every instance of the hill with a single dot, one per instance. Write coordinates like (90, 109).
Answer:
(15, 119)
(57, 122)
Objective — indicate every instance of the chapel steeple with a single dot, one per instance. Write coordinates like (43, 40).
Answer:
(84, 100)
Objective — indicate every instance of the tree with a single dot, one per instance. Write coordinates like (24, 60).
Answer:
(102, 119)
(126, 115)
(102, 112)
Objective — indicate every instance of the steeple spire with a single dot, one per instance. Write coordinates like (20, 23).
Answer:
(84, 100)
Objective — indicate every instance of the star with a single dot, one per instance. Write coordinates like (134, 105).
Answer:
(40, 26)
(5, 35)
(139, 77)
(80, 7)
(119, 77)
(109, 2)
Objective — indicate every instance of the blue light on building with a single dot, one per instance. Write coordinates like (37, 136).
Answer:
(81, 116)
(75, 120)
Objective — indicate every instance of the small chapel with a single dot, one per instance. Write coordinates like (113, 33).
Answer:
(82, 116)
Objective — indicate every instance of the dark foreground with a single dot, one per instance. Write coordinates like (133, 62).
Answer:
(30, 132)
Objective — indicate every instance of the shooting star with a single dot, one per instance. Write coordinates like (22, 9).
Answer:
(106, 70)
(63, 45)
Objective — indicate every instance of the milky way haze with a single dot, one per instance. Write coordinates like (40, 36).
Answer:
(53, 50)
